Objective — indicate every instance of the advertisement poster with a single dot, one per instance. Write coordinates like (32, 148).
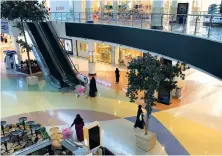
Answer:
(67, 44)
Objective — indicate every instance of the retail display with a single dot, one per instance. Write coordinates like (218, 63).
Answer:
(103, 53)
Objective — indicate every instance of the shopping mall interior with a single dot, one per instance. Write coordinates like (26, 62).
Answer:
(44, 90)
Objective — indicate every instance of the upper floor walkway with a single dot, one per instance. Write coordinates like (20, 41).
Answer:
(205, 26)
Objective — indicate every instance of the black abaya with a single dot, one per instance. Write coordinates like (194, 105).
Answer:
(139, 121)
(92, 88)
(117, 76)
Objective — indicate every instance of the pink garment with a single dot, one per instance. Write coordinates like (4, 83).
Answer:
(81, 90)
(67, 133)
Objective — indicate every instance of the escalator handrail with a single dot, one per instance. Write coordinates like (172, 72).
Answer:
(52, 79)
(52, 54)
(66, 54)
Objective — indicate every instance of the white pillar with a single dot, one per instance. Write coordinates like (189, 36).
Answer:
(173, 10)
(113, 55)
(89, 11)
(116, 55)
(74, 47)
(115, 9)
(101, 9)
(92, 58)
(157, 10)
(14, 32)
(77, 9)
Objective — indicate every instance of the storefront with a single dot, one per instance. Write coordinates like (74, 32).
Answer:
(67, 44)
(127, 55)
(103, 52)
(82, 49)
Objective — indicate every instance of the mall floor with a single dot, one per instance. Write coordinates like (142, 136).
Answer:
(191, 125)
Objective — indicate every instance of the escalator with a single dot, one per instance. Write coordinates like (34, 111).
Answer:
(60, 54)
(51, 64)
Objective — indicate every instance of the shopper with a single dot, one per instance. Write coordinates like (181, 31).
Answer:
(92, 87)
(139, 119)
(117, 75)
(79, 123)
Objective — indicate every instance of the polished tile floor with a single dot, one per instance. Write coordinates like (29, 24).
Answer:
(191, 125)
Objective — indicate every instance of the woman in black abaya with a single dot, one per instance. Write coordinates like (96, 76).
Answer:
(139, 119)
(92, 87)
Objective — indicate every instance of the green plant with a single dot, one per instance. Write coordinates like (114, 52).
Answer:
(148, 74)
(22, 11)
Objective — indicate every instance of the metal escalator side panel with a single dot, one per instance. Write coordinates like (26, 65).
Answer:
(39, 57)
(79, 76)
(71, 76)
(50, 51)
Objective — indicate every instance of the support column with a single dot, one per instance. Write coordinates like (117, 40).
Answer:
(101, 9)
(157, 11)
(14, 32)
(113, 55)
(89, 11)
(74, 47)
(116, 55)
(115, 9)
(173, 10)
(91, 59)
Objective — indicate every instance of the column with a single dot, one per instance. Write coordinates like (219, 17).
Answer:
(74, 47)
(101, 9)
(196, 7)
(14, 32)
(89, 11)
(113, 55)
(173, 10)
(77, 9)
(157, 10)
(116, 55)
(115, 9)
(91, 59)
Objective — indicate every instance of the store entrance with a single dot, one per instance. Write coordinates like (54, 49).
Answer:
(127, 55)
(103, 52)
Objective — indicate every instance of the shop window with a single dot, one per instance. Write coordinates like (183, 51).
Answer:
(127, 55)
(83, 46)
(103, 52)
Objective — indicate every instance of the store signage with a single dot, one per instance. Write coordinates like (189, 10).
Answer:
(59, 6)
(4, 27)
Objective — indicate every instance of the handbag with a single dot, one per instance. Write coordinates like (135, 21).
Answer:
(141, 117)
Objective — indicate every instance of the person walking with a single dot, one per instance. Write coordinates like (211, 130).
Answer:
(117, 75)
(139, 119)
(79, 124)
(92, 87)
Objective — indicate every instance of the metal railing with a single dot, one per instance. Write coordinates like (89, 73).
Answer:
(81, 77)
(206, 26)
(52, 54)
(41, 60)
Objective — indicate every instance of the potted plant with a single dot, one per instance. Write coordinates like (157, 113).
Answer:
(146, 74)
(20, 12)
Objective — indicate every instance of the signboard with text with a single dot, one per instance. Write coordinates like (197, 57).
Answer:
(59, 6)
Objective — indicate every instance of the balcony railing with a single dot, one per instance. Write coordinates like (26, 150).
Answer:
(206, 26)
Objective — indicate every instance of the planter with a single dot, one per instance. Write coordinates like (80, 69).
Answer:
(176, 93)
(146, 142)
(32, 80)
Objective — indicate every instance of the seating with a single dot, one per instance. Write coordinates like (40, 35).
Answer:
(30, 124)
(22, 120)
(5, 140)
(17, 134)
(3, 123)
